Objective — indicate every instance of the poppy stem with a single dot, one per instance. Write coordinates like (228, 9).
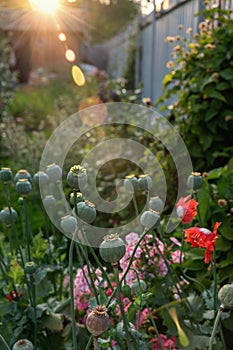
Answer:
(220, 310)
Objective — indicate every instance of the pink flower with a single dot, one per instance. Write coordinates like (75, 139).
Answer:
(132, 238)
(176, 256)
(186, 209)
(168, 344)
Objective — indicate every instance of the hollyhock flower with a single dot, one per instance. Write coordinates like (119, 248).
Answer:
(186, 209)
(203, 238)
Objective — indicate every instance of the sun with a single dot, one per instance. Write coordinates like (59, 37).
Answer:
(47, 6)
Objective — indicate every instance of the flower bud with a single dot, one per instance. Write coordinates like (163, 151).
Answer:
(6, 174)
(156, 204)
(112, 249)
(131, 183)
(22, 174)
(98, 321)
(150, 219)
(68, 224)
(77, 177)
(23, 186)
(23, 344)
(145, 182)
(30, 268)
(79, 197)
(195, 181)
(40, 178)
(7, 216)
(86, 211)
(139, 287)
(225, 296)
(54, 172)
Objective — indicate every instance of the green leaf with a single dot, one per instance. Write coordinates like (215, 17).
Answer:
(226, 230)
(167, 79)
(215, 173)
(3, 344)
(222, 244)
(227, 73)
(204, 204)
(217, 95)
(222, 86)
(210, 114)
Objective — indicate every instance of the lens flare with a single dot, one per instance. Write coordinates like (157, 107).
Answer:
(78, 76)
(62, 37)
(45, 5)
(70, 55)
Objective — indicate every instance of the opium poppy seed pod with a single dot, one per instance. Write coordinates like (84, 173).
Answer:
(145, 182)
(112, 249)
(23, 186)
(23, 344)
(68, 224)
(131, 183)
(139, 287)
(22, 174)
(150, 219)
(156, 204)
(30, 268)
(98, 321)
(79, 197)
(7, 216)
(195, 181)
(40, 178)
(54, 172)
(49, 201)
(225, 296)
(86, 211)
(6, 174)
(77, 176)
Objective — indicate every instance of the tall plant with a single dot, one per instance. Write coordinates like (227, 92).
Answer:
(200, 83)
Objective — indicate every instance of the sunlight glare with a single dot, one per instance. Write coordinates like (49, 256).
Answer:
(70, 55)
(47, 6)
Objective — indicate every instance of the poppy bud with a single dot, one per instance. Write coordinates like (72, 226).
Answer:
(139, 287)
(68, 224)
(7, 216)
(23, 186)
(195, 181)
(145, 182)
(54, 172)
(98, 320)
(77, 176)
(40, 178)
(6, 174)
(156, 204)
(225, 296)
(86, 211)
(23, 344)
(112, 249)
(22, 174)
(150, 219)
(79, 197)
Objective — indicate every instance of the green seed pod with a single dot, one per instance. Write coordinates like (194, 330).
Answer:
(22, 174)
(145, 182)
(86, 211)
(49, 201)
(156, 204)
(40, 178)
(69, 224)
(195, 181)
(30, 268)
(23, 186)
(77, 176)
(79, 197)
(112, 249)
(139, 287)
(54, 172)
(126, 290)
(131, 183)
(150, 219)
(23, 344)
(225, 296)
(7, 217)
(98, 321)
(6, 174)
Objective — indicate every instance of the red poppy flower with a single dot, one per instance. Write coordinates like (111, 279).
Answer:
(203, 238)
(186, 209)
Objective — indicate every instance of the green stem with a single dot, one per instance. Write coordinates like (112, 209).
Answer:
(27, 229)
(34, 309)
(89, 344)
(3, 344)
(220, 310)
(195, 196)
(125, 321)
(155, 327)
(72, 293)
(129, 265)
(215, 281)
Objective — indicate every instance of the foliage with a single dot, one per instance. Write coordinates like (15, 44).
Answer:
(200, 82)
